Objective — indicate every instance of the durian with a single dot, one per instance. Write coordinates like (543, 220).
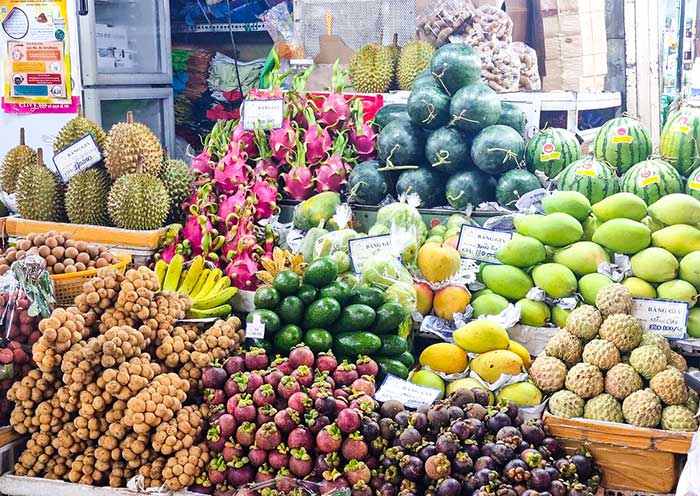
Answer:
(15, 161)
(415, 57)
(138, 201)
(76, 129)
(130, 147)
(395, 53)
(372, 69)
(86, 197)
(177, 178)
(40, 192)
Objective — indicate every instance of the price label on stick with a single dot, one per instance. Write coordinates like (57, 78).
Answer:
(77, 157)
(665, 317)
(363, 249)
(478, 243)
(255, 329)
(410, 394)
(268, 113)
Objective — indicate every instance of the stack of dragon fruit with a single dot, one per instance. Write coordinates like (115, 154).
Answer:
(241, 171)
(304, 416)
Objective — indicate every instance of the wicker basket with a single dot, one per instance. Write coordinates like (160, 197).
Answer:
(68, 286)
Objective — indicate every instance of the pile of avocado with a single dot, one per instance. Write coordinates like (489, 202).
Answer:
(326, 313)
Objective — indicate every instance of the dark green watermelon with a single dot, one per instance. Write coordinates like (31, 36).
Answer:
(652, 179)
(427, 183)
(497, 148)
(470, 187)
(428, 108)
(514, 184)
(475, 107)
(456, 65)
(680, 137)
(388, 113)
(425, 79)
(592, 178)
(552, 149)
(512, 116)
(366, 184)
(622, 142)
(448, 150)
(401, 144)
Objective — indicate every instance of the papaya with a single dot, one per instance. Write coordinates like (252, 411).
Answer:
(321, 207)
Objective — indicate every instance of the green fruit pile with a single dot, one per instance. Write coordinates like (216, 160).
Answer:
(326, 313)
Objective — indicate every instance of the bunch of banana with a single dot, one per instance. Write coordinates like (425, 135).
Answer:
(209, 289)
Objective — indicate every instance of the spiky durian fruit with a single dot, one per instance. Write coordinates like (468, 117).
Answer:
(15, 161)
(40, 192)
(177, 178)
(86, 197)
(415, 58)
(371, 69)
(77, 128)
(130, 147)
(138, 201)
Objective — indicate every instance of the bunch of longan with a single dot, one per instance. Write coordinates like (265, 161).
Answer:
(59, 332)
(218, 342)
(27, 394)
(156, 403)
(137, 291)
(113, 317)
(181, 469)
(100, 292)
(175, 347)
(180, 432)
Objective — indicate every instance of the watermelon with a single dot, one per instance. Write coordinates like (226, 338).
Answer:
(552, 149)
(425, 79)
(497, 148)
(448, 150)
(456, 65)
(680, 137)
(514, 184)
(512, 116)
(622, 142)
(425, 182)
(366, 185)
(401, 144)
(475, 107)
(388, 113)
(692, 186)
(592, 178)
(652, 179)
(428, 108)
(466, 188)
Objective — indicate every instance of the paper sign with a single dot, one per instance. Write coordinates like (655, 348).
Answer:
(363, 249)
(77, 158)
(255, 329)
(477, 243)
(665, 317)
(267, 113)
(409, 394)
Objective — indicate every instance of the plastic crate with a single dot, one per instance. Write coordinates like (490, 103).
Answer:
(68, 286)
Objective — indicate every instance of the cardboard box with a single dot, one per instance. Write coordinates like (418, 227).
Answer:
(519, 12)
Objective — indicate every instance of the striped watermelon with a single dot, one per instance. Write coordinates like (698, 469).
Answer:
(592, 178)
(622, 142)
(652, 179)
(692, 185)
(679, 139)
(550, 150)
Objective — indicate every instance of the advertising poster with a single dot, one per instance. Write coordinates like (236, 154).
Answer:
(35, 53)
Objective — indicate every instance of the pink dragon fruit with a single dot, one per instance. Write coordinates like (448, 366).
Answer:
(245, 141)
(335, 109)
(282, 141)
(296, 98)
(230, 206)
(197, 234)
(201, 163)
(298, 182)
(316, 139)
(330, 176)
(265, 165)
(362, 136)
(232, 170)
(265, 192)
(242, 269)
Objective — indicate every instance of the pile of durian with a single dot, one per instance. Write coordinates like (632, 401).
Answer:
(135, 187)
(105, 403)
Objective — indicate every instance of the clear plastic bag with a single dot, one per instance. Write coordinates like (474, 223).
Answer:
(500, 68)
(689, 483)
(336, 242)
(529, 70)
(438, 22)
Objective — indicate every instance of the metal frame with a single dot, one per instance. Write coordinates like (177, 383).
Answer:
(220, 27)
(88, 51)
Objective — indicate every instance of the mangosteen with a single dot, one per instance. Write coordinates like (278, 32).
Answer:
(461, 429)
(481, 396)
(412, 468)
(557, 488)
(477, 429)
(471, 448)
(427, 451)
(454, 413)
(566, 469)
(484, 477)
(369, 429)
(484, 463)
(447, 443)
(475, 410)
(516, 471)
(462, 463)
(522, 446)
(388, 428)
(502, 453)
(448, 487)
(578, 490)
(552, 447)
(509, 436)
(419, 421)
(402, 417)
(496, 421)
(390, 408)
(509, 408)
(423, 409)
(540, 479)
(461, 397)
(387, 490)
(410, 438)
(438, 416)
(584, 467)
(505, 491)
(532, 457)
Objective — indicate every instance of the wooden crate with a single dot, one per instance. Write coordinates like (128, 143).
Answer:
(631, 458)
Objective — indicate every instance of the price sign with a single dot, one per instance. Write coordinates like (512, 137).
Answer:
(665, 317)
(76, 158)
(409, 394)
(268, 113)
(363, 249)
(255, 329)
(478, 243)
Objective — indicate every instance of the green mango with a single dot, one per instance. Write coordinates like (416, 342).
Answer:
(508, 281)
(679, 239)
(590, 284)
(521, 251)
(620, 206)
(555, 279)
(488, 304)
(678, 290)
(690, 269)
(567, 202)
(654, 265)
(534, 313)
(590, 226)
(582, 257)
(623, 236)
(557, 229)
(676, 208)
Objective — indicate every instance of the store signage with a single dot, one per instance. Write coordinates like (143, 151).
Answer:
(480, 244)
(410, 394)
(269, 114)
(255, 329)
(665, 317)
(77, 158)
(363, 249)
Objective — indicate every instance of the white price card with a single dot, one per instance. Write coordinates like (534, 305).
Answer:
(363, 249)
(665, 317)
(77, 157)
(480, 244)
(409, 394)
(255, 329)
(267, 113)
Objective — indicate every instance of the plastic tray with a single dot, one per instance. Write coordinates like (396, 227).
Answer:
(68, 286)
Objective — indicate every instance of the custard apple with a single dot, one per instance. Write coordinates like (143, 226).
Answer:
(678, 418)
(585, 380)
(548, 373)
(669, 386)
(603, 407)
(693, 402)
(642, 408)
(678, 361)
(622, 380)
(584, 322)
(648, 360)
(566, 347)
(650, 338)
(621, 330)
(566, 404)
(613, 299)
(601, 353)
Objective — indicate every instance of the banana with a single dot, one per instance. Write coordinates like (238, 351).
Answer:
(220, 311)
(214, 276)
(200, 282)
(216, 300)
(172, 278)
(221, 284)
(192, 275)
(161, 269)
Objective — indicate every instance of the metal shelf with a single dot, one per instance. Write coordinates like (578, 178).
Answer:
(221, 27)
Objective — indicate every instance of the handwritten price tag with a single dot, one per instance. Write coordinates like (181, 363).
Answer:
(411, 395)
(363, 249)
(267, 113)
(478, 243)
(77, 157)
(665, 317)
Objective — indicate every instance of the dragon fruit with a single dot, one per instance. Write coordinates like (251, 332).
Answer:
(197, 234)
(362, 136)
(330, 176)
(296, 98)
(230, 206)
(265, 192)
(298, 182)
(264, 164)
(316, 139)
(245, 140)
(202, 162)
(335, 109)
(243, 267)
(282, 141)
(232, 170)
